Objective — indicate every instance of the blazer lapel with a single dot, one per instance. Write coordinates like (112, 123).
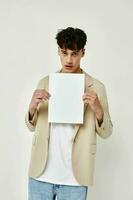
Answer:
(88, 84)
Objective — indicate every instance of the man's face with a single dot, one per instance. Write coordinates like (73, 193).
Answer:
(70, 59)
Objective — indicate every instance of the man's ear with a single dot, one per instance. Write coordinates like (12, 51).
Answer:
(83, 52)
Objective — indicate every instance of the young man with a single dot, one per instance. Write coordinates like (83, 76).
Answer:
(63, 155)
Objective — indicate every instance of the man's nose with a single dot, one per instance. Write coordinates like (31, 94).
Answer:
(69, 59)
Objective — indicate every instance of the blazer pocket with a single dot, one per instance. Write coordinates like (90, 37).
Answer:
(93, 148)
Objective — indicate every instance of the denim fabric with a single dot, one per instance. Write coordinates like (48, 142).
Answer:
(38, 190)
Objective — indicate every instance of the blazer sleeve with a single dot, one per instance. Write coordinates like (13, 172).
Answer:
(106, 128)
(31, 123)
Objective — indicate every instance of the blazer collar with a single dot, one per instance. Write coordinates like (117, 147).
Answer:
(88, 78)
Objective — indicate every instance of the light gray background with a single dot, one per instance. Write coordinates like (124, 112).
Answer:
(28, 52)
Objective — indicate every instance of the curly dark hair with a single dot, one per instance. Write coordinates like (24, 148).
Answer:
(71, 38)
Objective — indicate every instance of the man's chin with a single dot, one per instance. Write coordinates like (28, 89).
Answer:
(68, 69)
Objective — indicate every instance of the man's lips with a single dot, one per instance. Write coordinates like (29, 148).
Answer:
(68, 65)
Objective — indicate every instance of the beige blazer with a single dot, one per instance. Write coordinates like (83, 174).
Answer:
(84, 142)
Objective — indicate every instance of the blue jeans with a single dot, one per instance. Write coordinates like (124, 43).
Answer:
(38, 190)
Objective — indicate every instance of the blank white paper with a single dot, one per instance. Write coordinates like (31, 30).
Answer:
(66, 104)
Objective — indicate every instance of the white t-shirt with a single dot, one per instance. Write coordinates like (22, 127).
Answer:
(59, 165)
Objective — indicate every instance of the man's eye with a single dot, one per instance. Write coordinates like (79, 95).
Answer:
(64, 52)
(75, 53)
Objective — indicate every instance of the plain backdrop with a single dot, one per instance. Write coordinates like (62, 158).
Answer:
(28, 52)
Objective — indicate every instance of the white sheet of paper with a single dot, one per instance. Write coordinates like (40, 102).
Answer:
(66, 104)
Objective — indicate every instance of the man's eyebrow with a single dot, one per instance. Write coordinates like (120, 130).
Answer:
(75, 51)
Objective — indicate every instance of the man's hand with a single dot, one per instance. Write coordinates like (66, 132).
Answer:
(91, 98)
(39, 96)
